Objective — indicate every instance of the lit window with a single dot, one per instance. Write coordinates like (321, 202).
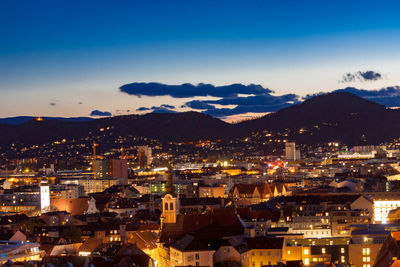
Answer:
(323, 250)
(366, 251)
(306, 251)
(342, 250)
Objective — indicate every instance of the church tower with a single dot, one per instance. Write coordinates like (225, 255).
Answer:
(170, 201)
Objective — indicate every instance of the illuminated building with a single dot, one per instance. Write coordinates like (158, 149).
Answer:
(112, 168)
(211, 191)
(382, 209)
(44, 197)
(291, 153)
(144, 156)
(366, 242)
(19, 251)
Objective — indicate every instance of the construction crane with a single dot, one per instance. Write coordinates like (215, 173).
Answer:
(94, 159)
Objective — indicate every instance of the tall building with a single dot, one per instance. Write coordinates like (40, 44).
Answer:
(112, 168)
(44, 197)
(144, 155)
(291, 153)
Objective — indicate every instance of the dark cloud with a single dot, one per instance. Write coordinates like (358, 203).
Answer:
(245, 98)
(52, 103)
(257, 104)
(167, 106)
(80, 103)
(161, 109)
(190, 90)
(361, 76)
(198, 104)
(143, 109)
(98, 113)
(389, 96)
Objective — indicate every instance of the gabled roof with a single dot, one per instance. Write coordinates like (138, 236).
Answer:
(245, 188)
(264, 189)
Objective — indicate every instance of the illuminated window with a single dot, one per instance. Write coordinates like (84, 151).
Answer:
(306, 251)
(342, 259)
(342, 250)
(366, 259)
(366, 251)
(323, 250)
(288, 252)
(307, 261)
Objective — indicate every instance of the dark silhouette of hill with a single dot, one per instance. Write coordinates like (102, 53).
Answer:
(21, 119)
(184, 126)
(337, 116)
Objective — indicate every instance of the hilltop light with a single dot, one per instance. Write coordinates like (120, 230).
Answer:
(39, 119)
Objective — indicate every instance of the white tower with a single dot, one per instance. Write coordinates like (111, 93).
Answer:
(44, 197)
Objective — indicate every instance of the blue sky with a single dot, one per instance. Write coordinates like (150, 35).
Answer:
(76, 54)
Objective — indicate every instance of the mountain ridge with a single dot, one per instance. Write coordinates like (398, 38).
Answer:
(338, 116)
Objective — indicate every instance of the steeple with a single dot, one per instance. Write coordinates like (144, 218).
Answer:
(170, 202)
(169, 187)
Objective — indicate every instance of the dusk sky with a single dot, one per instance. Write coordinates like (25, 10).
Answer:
(68, 58)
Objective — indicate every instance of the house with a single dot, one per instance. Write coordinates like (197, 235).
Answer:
(248, 192)
(280, 190)
(56, 218)
(262, 251)
(211, 191)
(190, 250)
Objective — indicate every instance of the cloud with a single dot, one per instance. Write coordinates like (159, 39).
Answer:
(80, 103)
(197, 104)
(245, 98)
(190, 90)
(389, 96)
(362, 76)
(98, 113)
(143, 109)
(256, 104)
(160, 109)
(52, 103)
(167, 106)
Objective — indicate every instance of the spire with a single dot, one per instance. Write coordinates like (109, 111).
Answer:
(169, 187)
